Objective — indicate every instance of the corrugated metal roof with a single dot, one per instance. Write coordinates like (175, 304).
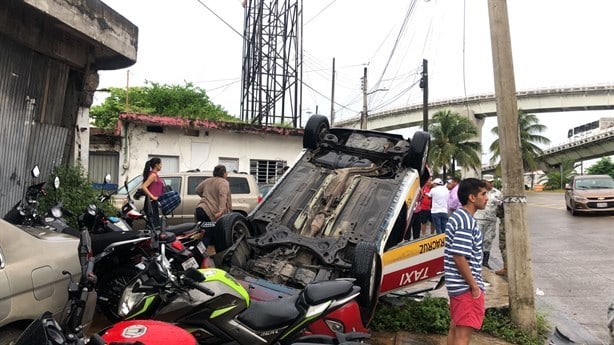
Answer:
(171, 121)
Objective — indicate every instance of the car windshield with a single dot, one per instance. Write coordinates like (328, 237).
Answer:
(132, 184)
(595, 183)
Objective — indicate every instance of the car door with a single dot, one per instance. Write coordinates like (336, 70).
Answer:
(412, 262)
(5, 302)
(569, 192)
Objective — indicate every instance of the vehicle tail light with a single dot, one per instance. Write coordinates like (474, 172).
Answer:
(178, 245)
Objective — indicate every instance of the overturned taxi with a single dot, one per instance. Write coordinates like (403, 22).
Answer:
(341, 210)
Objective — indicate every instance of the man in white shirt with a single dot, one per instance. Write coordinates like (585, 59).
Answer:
(439, 206)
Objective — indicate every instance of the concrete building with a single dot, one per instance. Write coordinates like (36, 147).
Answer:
(185, 144)
(50, 52)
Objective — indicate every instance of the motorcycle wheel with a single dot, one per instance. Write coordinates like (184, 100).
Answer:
(9, 335)
(110, 290)
(367, 270)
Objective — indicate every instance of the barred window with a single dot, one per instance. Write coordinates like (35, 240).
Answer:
(266, 171)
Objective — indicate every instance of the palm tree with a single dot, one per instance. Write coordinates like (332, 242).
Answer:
(453, 141)
(530, 128)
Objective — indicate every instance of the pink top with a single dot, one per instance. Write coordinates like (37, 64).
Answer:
(156, 188)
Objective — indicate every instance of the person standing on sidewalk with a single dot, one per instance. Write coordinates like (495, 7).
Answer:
(453, 202)
(487, 218)
(462, 263)
(439, 207)
(425, 207)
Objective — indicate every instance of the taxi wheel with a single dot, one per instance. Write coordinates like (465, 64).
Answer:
(229, 229)
(367, 270)
(316, 127)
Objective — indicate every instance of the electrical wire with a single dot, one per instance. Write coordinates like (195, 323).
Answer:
(320, 12)
(220, 18)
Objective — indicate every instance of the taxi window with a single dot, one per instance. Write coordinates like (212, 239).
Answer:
(174, 182)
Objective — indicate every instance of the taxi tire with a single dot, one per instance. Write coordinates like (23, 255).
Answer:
(367, 270)
(229, 229)
(316, 127)
(417, 156)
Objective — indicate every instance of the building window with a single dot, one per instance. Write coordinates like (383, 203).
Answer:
(266, 171)
(231, 164)
(155, 129)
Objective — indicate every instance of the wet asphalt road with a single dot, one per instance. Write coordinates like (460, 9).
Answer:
(572, 263)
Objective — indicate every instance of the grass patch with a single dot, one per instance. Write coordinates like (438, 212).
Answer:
(431, 315)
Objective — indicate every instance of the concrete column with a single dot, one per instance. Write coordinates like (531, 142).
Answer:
(82, 138)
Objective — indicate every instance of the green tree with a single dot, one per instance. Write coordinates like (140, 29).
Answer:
(603, 167)
(185, 101)
(529, 128)
(558, 177)
(453, 142)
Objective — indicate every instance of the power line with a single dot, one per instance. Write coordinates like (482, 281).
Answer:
(220, 18)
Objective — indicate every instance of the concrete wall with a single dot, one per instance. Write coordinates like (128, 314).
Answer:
(202, 151)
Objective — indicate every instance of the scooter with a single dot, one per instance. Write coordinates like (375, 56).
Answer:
(81, 296)
(217, 309)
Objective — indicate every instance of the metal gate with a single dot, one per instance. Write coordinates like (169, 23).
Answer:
(102, 163)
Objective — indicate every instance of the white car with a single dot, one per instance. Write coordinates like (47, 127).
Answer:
(31, 281)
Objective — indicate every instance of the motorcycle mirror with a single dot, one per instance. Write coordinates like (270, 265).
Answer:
(194, 274)
(107, 178)
(56, 182)
(36, 171)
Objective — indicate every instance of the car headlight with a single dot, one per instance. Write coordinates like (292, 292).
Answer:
(130, 298)
(578, 198)
(56, 212)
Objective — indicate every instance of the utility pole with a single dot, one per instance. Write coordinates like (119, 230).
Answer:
(520, 276)
(332, 97)
(363, 114)
(424, 85)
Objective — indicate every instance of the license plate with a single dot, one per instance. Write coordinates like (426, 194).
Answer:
(602, 204)
(201, 247)
(189, 263)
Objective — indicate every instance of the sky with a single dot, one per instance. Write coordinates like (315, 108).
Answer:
(555, 43)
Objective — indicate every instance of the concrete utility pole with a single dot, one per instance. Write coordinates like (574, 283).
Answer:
(424, 85)
(363, 114)
(522, 300)
(332, 97)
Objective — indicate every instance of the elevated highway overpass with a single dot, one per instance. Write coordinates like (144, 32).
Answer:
(532, 101)
(599, 97)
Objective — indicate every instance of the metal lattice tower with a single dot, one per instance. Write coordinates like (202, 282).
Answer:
(271, 90)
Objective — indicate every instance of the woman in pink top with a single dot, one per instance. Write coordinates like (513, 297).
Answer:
(153, 186)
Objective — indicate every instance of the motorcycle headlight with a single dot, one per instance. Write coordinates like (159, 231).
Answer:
(130, 298)
(56, 212)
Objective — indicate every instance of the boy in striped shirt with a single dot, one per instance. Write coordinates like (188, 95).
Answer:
(463, 263)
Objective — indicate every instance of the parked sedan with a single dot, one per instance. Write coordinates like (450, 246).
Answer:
(341, 210)
(31, 281)
(590, 193)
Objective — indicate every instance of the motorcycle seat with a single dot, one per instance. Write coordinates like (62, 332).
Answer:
(180, 229)
(101, 241)
(319, 292)
(262, 315)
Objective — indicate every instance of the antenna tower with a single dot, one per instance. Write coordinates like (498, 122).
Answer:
(271, 90)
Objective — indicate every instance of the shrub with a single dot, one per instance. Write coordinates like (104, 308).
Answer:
(75, 192)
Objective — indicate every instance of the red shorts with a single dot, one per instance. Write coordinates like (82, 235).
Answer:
(466, 310)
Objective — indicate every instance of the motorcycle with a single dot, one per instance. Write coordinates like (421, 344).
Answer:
(81, 296)
(217, 309)
(25, 212)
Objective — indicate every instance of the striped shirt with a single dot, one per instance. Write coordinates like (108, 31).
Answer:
(463, 237)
